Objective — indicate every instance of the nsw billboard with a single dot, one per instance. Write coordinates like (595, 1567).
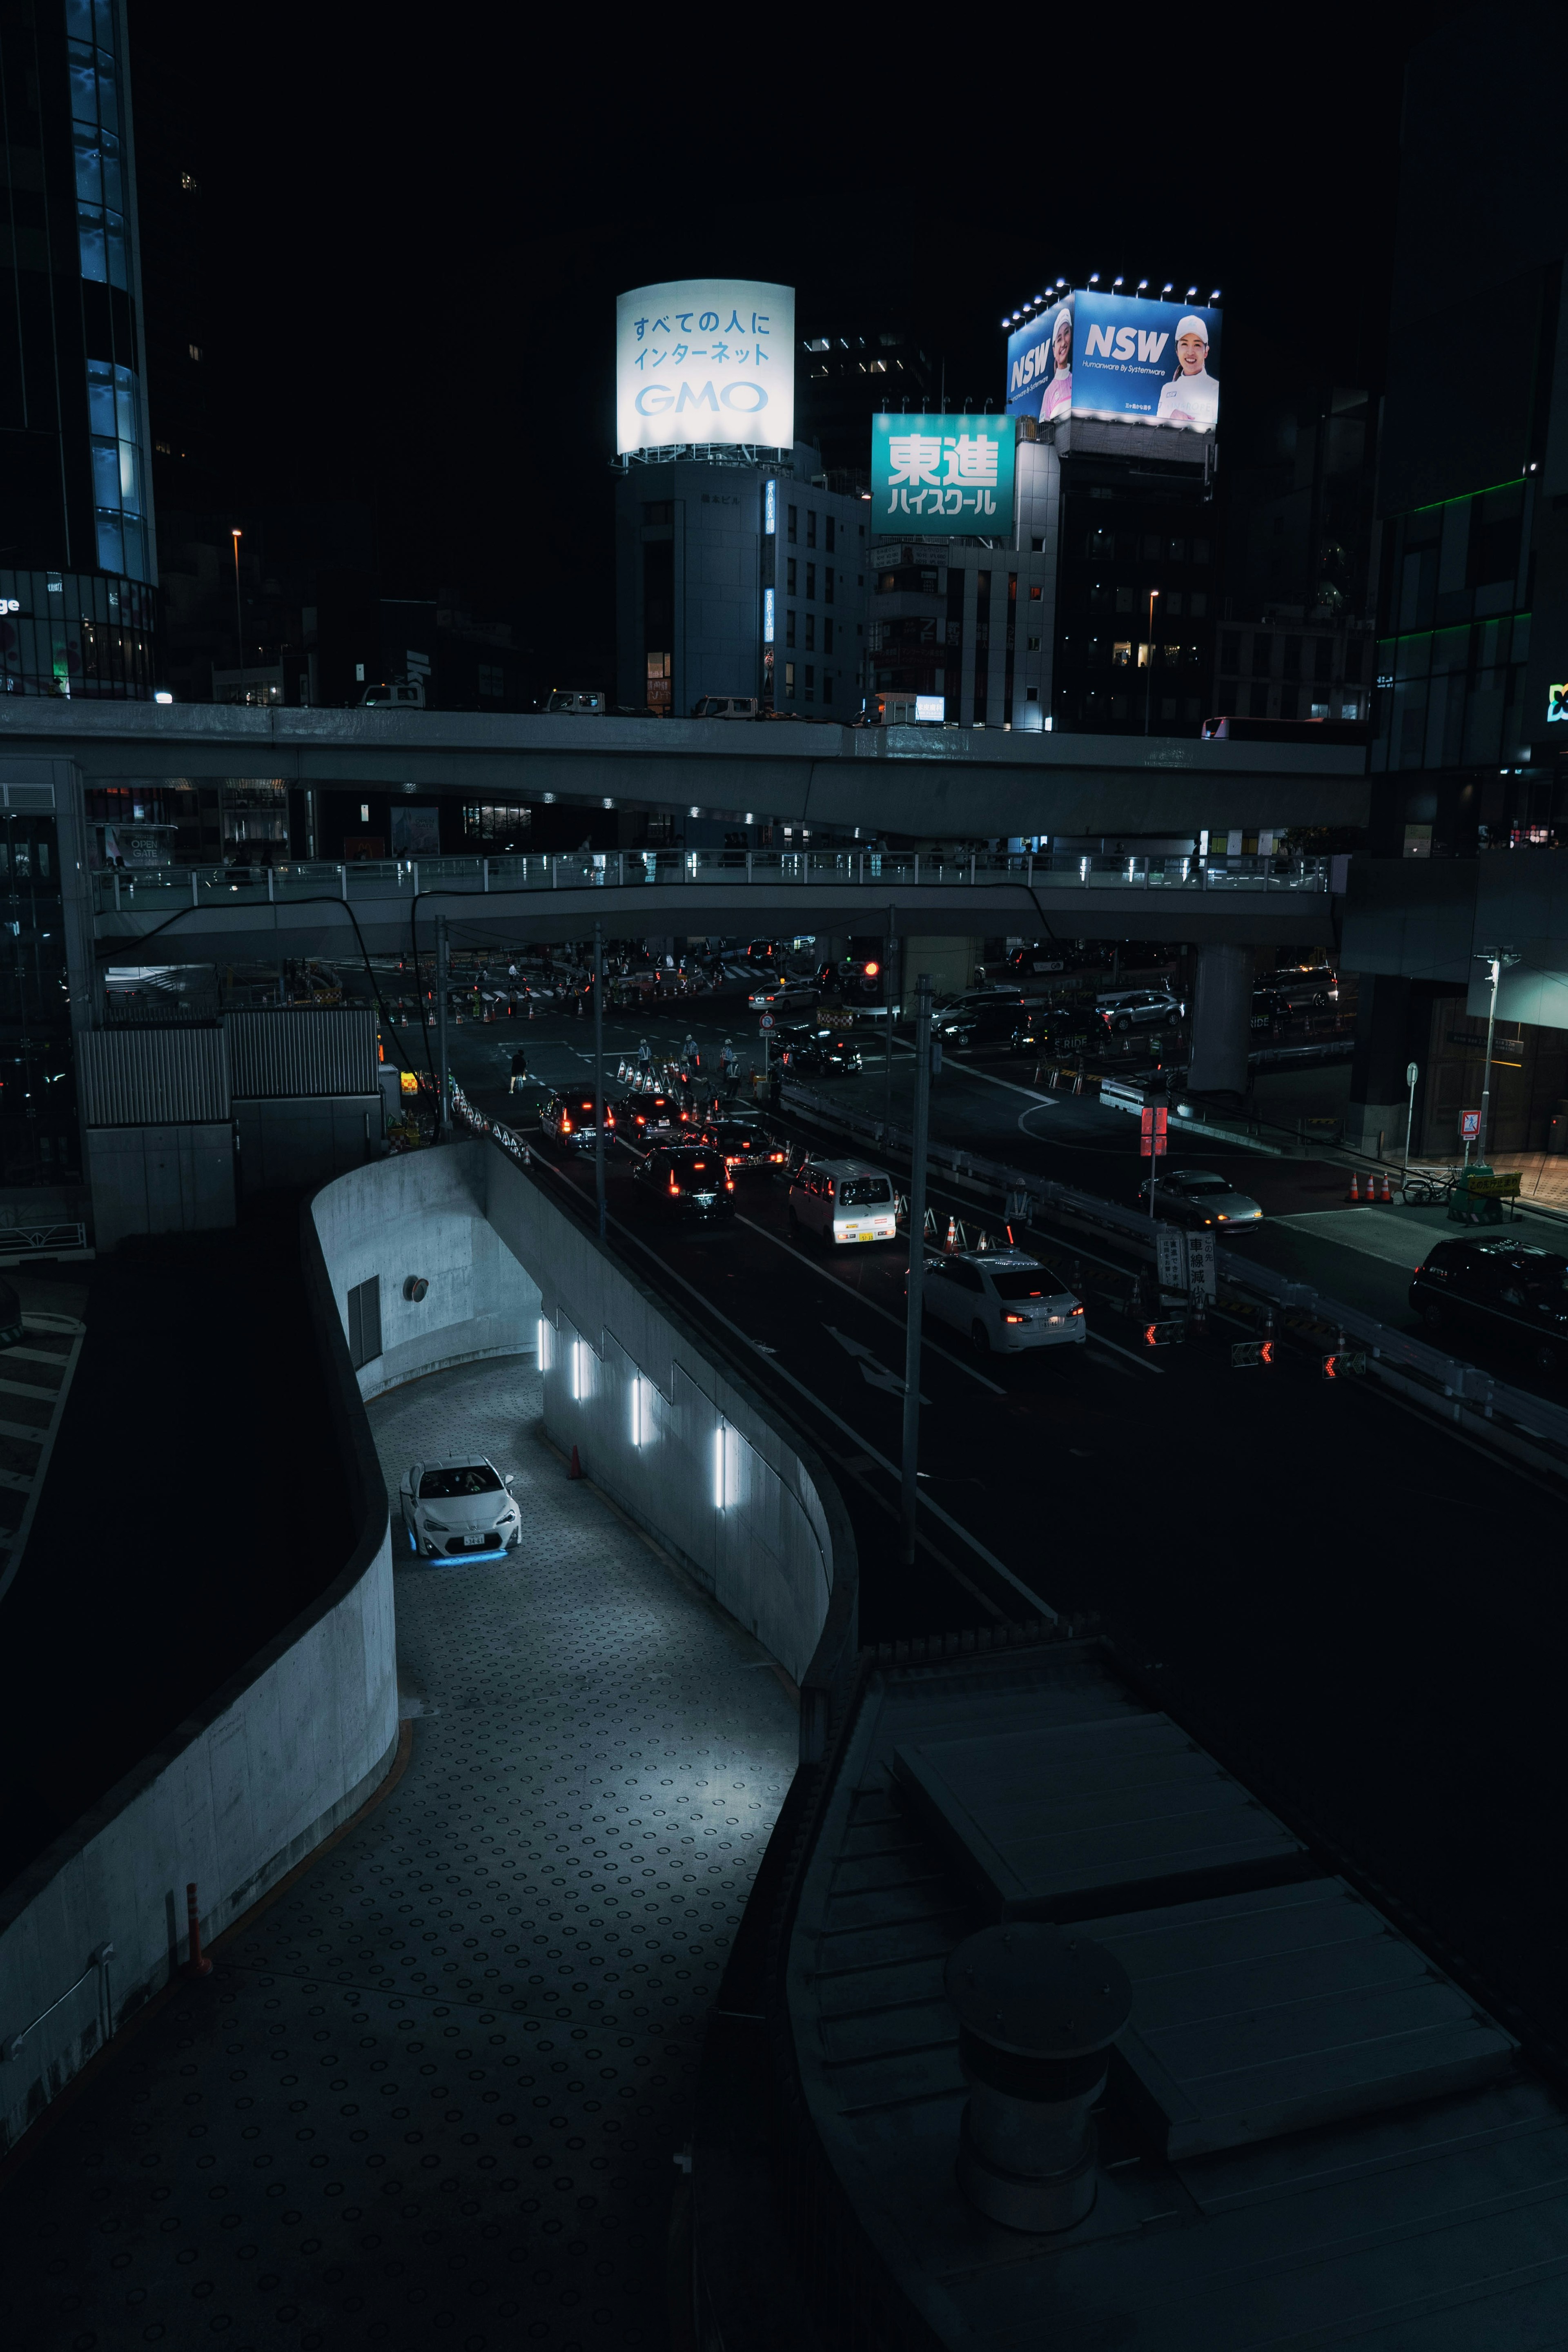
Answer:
(943, 476)
(1139, 361)
(1039, 364)
(705, 360)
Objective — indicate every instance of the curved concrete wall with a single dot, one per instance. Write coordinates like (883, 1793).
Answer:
(423, 1212)
(238, 1794)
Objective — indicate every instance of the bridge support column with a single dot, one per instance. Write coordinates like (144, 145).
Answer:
(1222, 1019)
(1386, 1041)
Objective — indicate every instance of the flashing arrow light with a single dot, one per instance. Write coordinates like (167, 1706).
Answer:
(1163, 1335)
(1244, 1353)
(1341, 1367)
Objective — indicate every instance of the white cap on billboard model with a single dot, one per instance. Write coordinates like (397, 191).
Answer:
(1191, 325)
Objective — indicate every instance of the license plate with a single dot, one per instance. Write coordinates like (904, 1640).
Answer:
(859, 1234)
(475, 1543)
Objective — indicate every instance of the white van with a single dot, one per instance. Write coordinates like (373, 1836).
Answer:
(726, 706)
(843, 1200)
(579, 702)
(402, 694)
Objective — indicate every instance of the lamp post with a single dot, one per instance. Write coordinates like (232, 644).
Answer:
(599, 1074)
(1149, 692)
(238, 623)
(1411, 1074)
(1494, 959)
(910, 1465)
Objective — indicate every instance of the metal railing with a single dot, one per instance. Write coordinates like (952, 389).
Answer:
(159, 890)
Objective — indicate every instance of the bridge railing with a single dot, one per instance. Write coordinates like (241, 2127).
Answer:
(158, 889)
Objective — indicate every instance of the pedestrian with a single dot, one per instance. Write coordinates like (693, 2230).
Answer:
(519, 1071)
(689, 1052)
(729, 1070)
(645, 1059)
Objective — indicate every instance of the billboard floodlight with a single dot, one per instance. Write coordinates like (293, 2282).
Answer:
(1142, 286)
(1215, 296)
(1191, 295)
(1094, 277)
(1167, 289)
(1115, 283)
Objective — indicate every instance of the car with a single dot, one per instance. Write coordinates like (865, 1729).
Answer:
(569, 1116)
(577, 701)
(459, 1506)
(990, 1022)
(686, 1179)
(820, 1053)
(970, 1000)
(1199, 1197)
(744, 1146)
(1061, 1029)
(726, 706)
(1138, 1008)
(782, 996)
(641, 1121)
(1042, 955)
(1003, 1300)
(1304, 992)
(843, 1201)
(1512, 1291)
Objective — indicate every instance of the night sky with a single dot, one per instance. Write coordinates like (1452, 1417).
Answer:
(412, 245)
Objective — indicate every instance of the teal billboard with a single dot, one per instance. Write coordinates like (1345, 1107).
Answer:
(943, 476)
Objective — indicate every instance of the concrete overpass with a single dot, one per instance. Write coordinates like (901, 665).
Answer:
(211, 914)
(927, 783)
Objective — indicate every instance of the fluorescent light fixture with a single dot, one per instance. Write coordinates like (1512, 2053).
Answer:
(719, 1451)
(642, 1410)
(580, 1374)
(543, 1345)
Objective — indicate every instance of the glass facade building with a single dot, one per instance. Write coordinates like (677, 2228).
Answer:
(74, 487)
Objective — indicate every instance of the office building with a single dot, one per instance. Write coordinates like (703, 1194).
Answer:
(739, 575)
(844, 375)
(80, 556)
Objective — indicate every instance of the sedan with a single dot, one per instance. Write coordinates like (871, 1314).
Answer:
(1063, 1028)
(459, 1506)
(1004, 1301)
(642, 1120)
(1514, 1292)
(687, 1180)
(570, 1118)
(1196, 1196)
(743, 1145)
(822, 1052)
(990, 1021)
(786, 996)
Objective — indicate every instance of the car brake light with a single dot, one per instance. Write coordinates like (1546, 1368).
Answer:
(1077, 1310)
(1011, 1319)
(565, 1124)
(729, 1183)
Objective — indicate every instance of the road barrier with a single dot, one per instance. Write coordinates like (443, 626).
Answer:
(1511, 1421)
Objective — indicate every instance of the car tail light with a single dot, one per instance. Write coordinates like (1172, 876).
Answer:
(729, 1183)
(565, 1124)
(1011, 1319)
(778, 1155)
(1077, 1310)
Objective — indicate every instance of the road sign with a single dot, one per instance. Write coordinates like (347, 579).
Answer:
(1469, 1124)
(1170, 1259)
(1246, 1352)
(766, 1021)
(1163, 1335)
(1343, 1367)
(1200, 1264)
(1500, 1185)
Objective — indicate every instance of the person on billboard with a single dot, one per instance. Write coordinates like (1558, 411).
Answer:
(1191, 398)
(1056, 398)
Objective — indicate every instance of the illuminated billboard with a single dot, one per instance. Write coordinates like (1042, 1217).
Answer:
(943, 476)
(705, 360)
(1122, 359)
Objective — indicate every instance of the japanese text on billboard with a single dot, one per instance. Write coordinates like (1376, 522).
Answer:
(947, 476)
(705, 360)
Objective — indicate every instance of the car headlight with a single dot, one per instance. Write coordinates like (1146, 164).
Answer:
(440, 1526)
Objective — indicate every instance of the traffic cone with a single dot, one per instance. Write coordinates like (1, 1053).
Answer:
(951, 1242)
(1078, 1083)
(1387, 1191)
(1354, 1192)
(575, 1468)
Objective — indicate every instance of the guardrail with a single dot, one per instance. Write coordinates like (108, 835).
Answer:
(157, 890)
(1474, 1399)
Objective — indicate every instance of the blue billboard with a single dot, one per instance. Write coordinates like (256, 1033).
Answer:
(1040, 365)
(1123, 359)
(1140, 361)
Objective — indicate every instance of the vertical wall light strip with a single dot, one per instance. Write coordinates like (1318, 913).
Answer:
(720, 1496)
(544, 1362)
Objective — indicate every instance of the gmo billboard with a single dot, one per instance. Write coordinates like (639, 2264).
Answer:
(705, 360)
(1124, 359)
(943, 476)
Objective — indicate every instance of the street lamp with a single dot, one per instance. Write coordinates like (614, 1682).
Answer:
(238, 623)
(1149, 690)
(1494, 959)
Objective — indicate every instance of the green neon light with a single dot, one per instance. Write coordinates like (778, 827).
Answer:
(1433, 504)
(1457, 628)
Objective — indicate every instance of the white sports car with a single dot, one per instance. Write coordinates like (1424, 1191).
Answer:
(459, 1508)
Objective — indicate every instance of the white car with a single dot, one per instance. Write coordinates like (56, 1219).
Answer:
(459, 1506)
(843, 1200)
(1003, 1300)
(783, 997)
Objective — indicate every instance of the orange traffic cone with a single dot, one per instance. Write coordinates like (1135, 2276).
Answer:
(1354, 1192)
(951, 1242)
(575, 1468)
(1387, 1191)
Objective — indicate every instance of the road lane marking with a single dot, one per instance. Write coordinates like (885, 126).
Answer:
(887, 1317)
(956, 1526)
(872, 1369)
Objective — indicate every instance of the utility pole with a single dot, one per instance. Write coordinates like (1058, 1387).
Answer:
(238, 623)
(911, 1433)
(599, 1074)
(442, 1119)
(1149, 683)
(888, 946)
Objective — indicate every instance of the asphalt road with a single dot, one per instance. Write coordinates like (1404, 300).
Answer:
(1359, 1609)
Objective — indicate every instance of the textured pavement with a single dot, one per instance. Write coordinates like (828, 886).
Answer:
(433, 2094)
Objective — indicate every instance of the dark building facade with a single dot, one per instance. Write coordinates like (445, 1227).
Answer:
(78, 554)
